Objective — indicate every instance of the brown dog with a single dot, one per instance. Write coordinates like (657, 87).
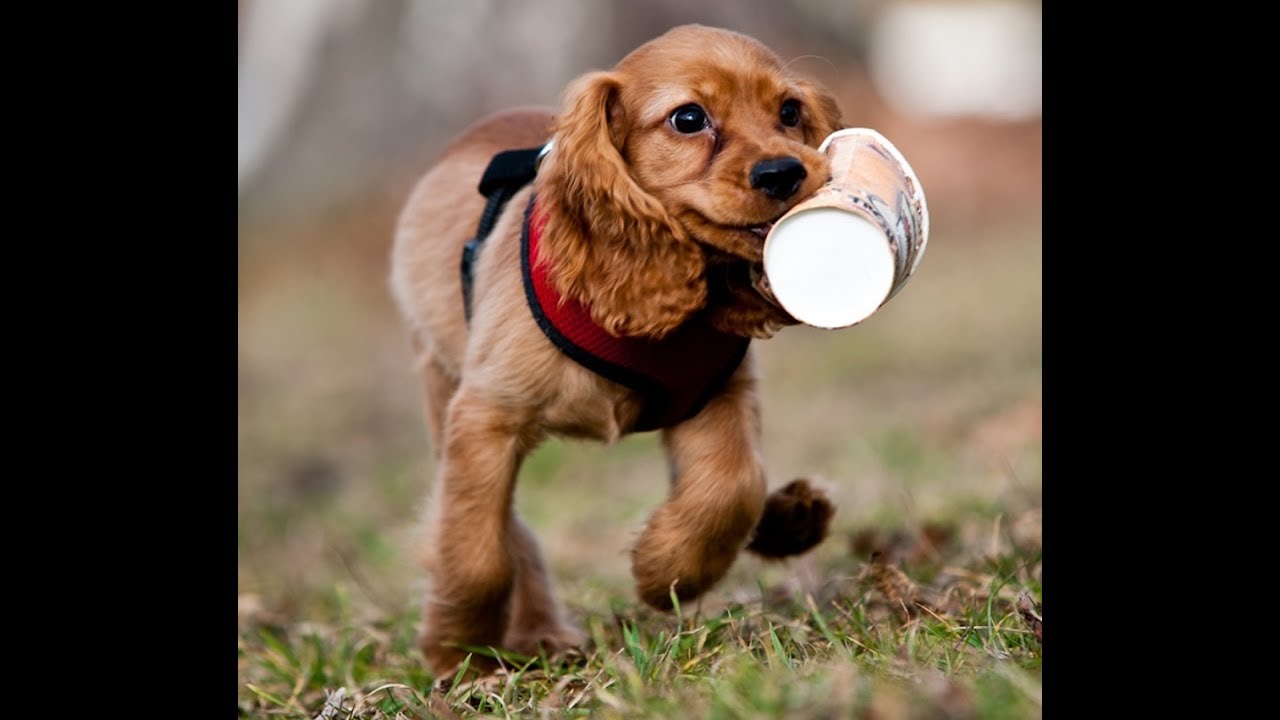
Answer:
(653, 200)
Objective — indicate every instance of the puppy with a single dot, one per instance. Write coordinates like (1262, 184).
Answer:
(610, 296)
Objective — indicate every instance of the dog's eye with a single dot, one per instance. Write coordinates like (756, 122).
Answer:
(689, 119)
(790, 113)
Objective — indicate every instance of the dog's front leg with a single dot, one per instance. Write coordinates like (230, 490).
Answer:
(717, 498)
(468, 544)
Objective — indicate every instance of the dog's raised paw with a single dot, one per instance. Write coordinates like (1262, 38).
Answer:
(795, 520)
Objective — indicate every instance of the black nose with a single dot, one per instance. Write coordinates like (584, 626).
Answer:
(778, 178)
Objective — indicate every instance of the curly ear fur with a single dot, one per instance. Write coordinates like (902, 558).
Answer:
(823, 113)
(611, 245)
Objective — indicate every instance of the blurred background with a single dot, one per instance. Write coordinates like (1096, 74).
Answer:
(929, 410)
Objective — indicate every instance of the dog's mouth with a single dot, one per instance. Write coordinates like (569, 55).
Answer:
(744, 241)
(760, 230)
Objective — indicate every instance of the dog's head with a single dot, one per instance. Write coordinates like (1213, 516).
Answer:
(688, 148)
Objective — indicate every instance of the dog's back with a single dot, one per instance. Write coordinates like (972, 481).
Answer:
(440, 216)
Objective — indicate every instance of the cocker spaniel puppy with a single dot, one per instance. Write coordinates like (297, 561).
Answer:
(609, 295)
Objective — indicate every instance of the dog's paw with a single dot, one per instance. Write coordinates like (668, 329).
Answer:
(676, 556)
(556, 641)
(658, 575)
(444, 659)
(795, 520)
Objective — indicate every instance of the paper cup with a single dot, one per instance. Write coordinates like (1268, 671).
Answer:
(838, 256)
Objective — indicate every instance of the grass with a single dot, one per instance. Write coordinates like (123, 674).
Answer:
(923, 423)
(871, 640)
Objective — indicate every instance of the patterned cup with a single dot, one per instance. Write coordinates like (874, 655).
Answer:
(841, 254)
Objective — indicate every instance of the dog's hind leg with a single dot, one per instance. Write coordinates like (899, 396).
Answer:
(438, 388)
(537, 622)
(716, 501)
(471, 531)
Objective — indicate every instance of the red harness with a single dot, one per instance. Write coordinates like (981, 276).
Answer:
(677, 375)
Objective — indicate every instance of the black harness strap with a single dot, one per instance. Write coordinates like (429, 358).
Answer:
(509, 171)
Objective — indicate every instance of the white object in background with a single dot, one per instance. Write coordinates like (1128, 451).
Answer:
(947, 59)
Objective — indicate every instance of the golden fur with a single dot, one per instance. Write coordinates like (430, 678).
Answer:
(647, 225)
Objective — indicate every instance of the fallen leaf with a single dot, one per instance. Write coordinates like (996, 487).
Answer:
(1030, 612)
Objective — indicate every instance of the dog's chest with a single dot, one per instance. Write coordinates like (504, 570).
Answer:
(589, 406)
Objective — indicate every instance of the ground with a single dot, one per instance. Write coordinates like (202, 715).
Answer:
(923, 423)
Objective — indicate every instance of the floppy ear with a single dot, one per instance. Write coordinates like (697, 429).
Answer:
(611, 245)
(822, 114)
